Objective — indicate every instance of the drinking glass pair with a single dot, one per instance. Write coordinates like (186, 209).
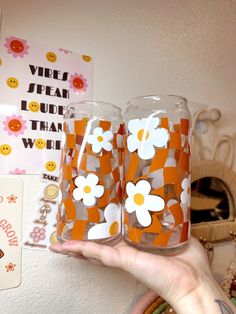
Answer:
(126, 176)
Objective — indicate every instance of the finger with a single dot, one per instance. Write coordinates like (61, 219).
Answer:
(108, 256)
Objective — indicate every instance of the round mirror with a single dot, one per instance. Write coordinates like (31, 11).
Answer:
(210, 200)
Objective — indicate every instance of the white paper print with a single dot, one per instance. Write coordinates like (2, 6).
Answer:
(36, 84)
(10, 232)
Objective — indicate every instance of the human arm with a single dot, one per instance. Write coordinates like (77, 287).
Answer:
(184, 280)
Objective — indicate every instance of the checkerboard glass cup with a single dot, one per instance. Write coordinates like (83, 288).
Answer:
(90, 177)
(156, 173)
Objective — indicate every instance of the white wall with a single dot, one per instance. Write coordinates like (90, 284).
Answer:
(184, 47)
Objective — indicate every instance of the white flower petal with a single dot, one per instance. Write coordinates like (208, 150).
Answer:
(107, 146)
(97, 132)
(97, 146)
(98, 190)
(107, 136)
(146, 150)
(92, 179)
(151, 123)
(129, 205)
(99, 231)
(111, 213)
(77, 194)
(143, 187)
(133, 125)
(154, 203)
(80, 181)
(91, 139)
(132, 143)
(161, 137)
(130, 188)
(185, 183)
(89, 200)
(143, 217)
(183, 197)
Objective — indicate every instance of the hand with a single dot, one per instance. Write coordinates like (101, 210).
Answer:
(178, 279)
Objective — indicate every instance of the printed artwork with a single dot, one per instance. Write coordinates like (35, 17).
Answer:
(36, 84)
(91, 180)
(157, 181)
(10, 232)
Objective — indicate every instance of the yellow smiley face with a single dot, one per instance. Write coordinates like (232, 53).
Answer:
(50, 165)
(33, 106)
(12, 82)
(51, 191)
(53, 237)
(40, 143)
(86, 58)
(51, 56)
(5, 149)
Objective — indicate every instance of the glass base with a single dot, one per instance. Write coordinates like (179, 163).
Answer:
(106, 241)
(167, 251)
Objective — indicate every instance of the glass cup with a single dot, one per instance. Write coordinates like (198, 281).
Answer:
(90, 177)
(156, 173)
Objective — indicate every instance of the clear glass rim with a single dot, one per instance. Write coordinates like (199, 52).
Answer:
(95, 103)
(177, 100)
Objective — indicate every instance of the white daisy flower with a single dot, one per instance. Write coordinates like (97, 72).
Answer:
(87, 189)
(140, 201)
(145, 134)
(185, 195)
(100, 140)
(111, 227)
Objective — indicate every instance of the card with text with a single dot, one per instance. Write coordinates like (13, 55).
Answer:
(37, 83)
(11, 192)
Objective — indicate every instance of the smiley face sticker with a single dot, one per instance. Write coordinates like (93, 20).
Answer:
(12, 82)
(33, 106)
(51, 56)
(51, 166)
(40, 143)
(5, 149)
(51, 191)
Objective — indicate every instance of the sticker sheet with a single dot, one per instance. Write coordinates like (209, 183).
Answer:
(10, 232)
(36, 84)
(42, 230)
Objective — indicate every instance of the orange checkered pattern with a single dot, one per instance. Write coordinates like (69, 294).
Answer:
(74, 219)
(157, 234)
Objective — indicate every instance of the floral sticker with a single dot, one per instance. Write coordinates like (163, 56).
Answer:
(140, 201)
(14, 125)
(38, 234)
(12, 198)
(17, 47)
(87, 189)
(145, 134)
(100, 139)
(109, 228)
(17, 171)
(78, 83)
(185, 195)
(10, 267)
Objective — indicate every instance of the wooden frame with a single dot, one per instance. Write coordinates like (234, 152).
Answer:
(216, 230)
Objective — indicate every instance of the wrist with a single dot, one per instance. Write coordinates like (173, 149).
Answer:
(204, 299)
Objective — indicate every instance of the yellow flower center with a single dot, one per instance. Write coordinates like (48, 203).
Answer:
(100, 138)
(139, 199)
(114, 227)
(141, 134)
(87, 189)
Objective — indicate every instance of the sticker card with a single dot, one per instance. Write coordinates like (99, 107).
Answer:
(10, 232)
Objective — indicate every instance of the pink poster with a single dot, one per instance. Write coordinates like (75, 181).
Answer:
(37, 83)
